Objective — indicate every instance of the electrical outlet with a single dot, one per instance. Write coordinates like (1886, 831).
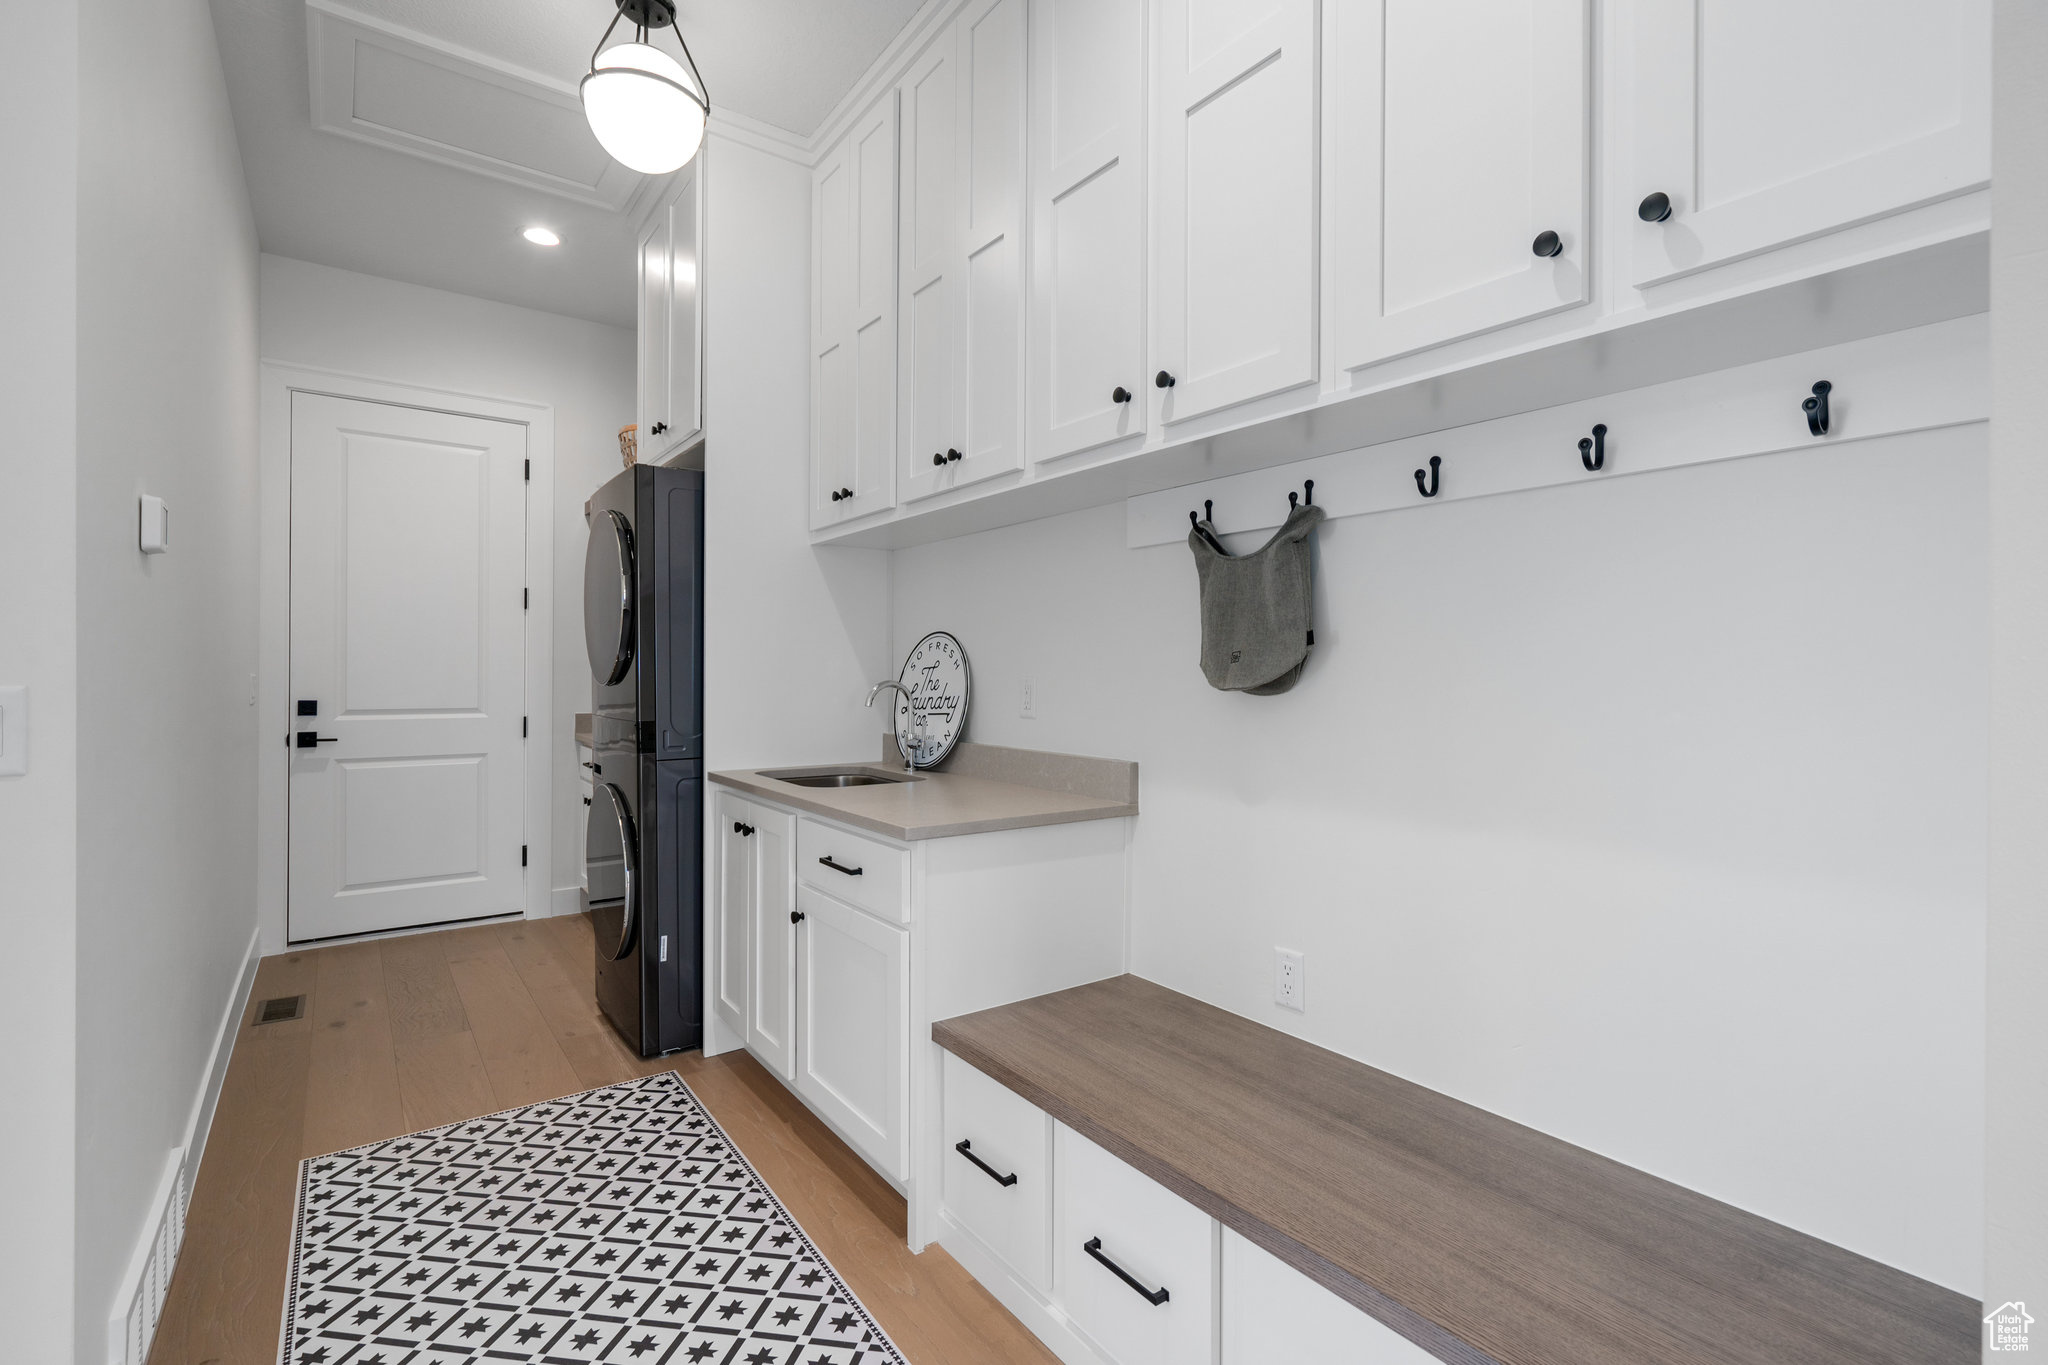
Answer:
(1287, 982)
(1029, 709)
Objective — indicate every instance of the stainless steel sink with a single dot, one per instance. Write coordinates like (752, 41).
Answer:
(807, 777)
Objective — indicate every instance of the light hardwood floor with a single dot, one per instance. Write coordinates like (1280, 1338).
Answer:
(408, 1033)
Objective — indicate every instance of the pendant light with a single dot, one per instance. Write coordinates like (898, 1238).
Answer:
(647, 111)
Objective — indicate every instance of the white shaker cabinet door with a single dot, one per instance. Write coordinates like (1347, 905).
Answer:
(853, 1011)
(733, 913)
(929, 244)
(655, 298)
(1458, 138)
(685, 378)
(771, 993)
(1088, 212)
(1234, 239)
(1765, 122)
(853, 344)
(989, 427)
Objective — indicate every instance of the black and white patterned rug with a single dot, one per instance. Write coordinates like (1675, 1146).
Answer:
(618, 1225)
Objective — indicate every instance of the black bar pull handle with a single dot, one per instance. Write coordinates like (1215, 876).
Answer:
(1155, 1297)
(307, 739)
(849, 871)
(1006, 1181)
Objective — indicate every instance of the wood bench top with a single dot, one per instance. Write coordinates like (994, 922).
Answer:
(1485, 1242)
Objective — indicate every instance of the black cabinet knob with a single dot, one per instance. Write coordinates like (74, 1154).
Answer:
(1547, 243)
(1119, 394)
(738, 828)
(658, 428)
(952, 455)
(1655, 208)
(846, 493)
(1163, 380)
(836, 495)
(938, 459)
(796, 917)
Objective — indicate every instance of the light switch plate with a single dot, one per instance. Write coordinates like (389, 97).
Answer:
(13, 731)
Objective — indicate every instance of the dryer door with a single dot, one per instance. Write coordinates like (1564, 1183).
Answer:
(611, 860)
(608, 598)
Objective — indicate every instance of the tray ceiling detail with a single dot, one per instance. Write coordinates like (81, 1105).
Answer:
(378, 83)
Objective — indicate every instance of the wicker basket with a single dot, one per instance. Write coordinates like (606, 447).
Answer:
(629, 445)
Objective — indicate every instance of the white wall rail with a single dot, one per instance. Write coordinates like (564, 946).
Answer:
(1912, 380)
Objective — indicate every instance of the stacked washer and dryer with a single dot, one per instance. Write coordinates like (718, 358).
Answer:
(643, 623)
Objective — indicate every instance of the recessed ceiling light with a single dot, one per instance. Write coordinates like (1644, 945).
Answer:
(541, 236)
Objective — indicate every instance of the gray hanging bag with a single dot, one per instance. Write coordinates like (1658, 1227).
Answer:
(1256, 608)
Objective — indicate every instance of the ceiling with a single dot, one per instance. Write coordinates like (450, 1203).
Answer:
(335, 200)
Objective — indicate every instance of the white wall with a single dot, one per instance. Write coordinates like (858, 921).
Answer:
(1648, 812)
(38, 648)
(166, 644)
(2016, 1258)
(382, 329)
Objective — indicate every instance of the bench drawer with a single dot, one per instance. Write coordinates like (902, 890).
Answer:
(858, 870)
(1000, 1187)
(1275, 1315)
(1113, 1219)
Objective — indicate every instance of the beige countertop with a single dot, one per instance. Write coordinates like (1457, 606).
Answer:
(981, 787)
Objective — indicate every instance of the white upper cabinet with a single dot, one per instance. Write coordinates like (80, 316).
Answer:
(671, 377)
(1458, 138)
(853, 339)
(1088, 193)
(962, 262)
(1234, 237)
(1765, 122)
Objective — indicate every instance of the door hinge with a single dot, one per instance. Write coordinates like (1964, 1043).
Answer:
(522, 855)
(529, 471)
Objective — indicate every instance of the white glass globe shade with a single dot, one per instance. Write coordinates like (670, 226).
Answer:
(645, 109)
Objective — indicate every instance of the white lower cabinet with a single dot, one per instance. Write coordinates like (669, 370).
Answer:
(1275, 1315)
(998, 1170)
(1134, 1264)
(852, 1019)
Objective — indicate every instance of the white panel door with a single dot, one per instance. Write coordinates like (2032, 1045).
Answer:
(1088, 224)
(771, 1021)
(408, 637)
(853, 1010)
(685, 414)
(652, 384)
(1458, 138)
(928, 308)
(1234, 240)
(853, 372)
(733, 913)
(832, 192)
(1275, 1315)
(1766, 122)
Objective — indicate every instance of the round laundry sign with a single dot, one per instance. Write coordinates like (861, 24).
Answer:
(929, 720)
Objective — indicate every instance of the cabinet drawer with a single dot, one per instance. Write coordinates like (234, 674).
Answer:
(1002, 1193)
(1275, 1315)
(1110, 1219)
(858, 870)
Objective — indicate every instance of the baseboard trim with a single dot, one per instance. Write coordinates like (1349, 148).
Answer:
(1027, 1304)
(567, 900)
(200, 1124)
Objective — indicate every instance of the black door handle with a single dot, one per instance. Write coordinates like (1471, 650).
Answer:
(1004, 1180)
(307, 739)
(796, 917)
(849, 871)
(1155, 1297)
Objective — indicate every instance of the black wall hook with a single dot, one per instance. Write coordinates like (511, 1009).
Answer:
(1307, 497)
(1816, 408)
(1593, 449)
(1429, 490)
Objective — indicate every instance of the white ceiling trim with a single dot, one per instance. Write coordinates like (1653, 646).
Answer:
(533, 135)
(886, 70)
